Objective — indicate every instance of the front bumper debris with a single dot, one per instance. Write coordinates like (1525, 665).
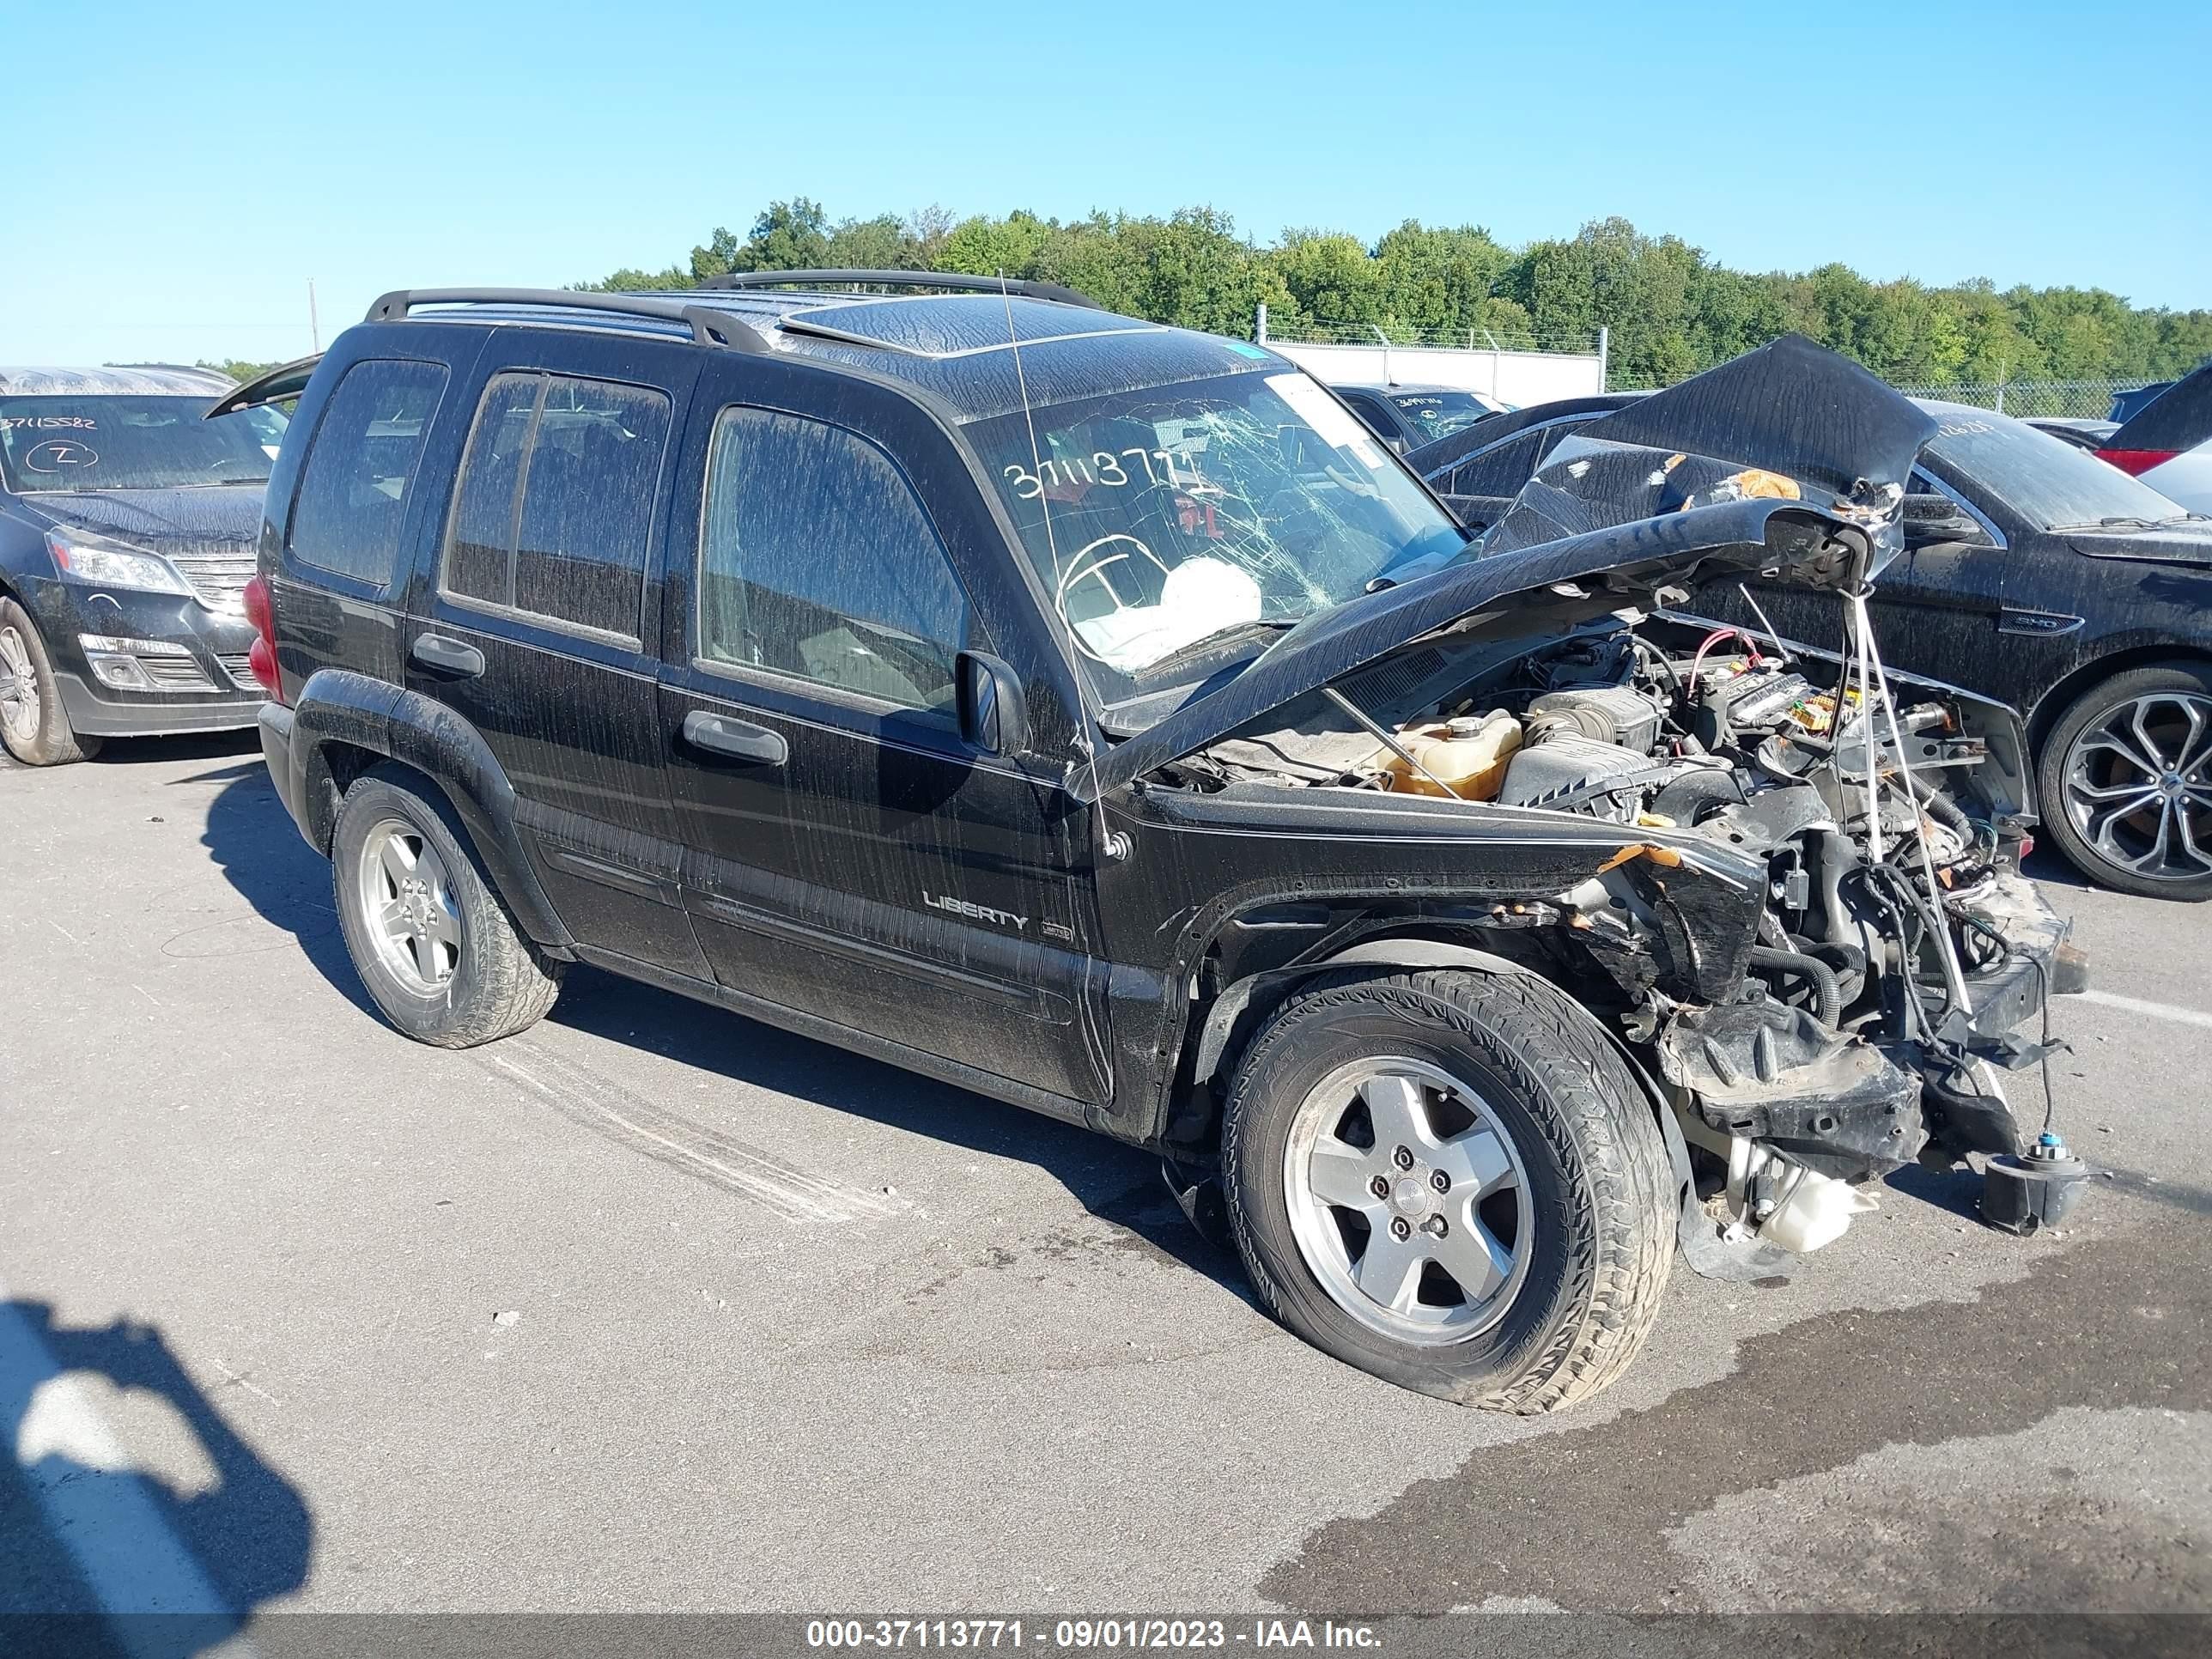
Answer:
(1765, 1071)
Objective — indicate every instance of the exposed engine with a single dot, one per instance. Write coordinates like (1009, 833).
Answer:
(1890, 921)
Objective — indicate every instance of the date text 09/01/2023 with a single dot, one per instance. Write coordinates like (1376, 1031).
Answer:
(1088, 1635)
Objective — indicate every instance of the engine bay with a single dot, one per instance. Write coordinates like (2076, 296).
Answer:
(1896, 942)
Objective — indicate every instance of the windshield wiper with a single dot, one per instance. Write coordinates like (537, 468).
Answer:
(2127, 523)
(1219, 636)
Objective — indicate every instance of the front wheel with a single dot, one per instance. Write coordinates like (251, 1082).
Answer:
(1454, 1181)
(438, 950)
(33, 725)
(2126, 782)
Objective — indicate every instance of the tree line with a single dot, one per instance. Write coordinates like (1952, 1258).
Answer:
(1669, 309)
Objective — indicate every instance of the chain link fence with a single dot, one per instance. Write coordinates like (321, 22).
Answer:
(1457, 339)
(2063, 399)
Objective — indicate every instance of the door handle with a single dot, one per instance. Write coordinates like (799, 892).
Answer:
(435, 651)
(723, 734)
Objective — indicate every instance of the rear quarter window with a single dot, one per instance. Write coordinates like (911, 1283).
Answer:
(361, 468)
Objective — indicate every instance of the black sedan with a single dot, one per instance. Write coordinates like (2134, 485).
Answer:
(2034, 573)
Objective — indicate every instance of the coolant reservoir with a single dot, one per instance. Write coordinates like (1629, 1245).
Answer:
(1816, 1212)
(1468, 753)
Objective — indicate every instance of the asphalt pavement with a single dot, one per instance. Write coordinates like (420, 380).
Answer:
(654, 1309)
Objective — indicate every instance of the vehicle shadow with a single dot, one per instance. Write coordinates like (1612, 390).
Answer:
(1114, 1182)
(2048, 866)
(253, 841)
(188, 746)
(1959, 1191)
(128, 751)
(102, 1557)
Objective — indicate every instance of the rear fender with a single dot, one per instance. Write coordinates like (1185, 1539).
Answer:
(337, 710)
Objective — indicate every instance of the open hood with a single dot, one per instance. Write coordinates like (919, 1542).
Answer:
(279, 385)
(1791, 407)
(1598, 572)
(2178, 418)
(1790, 421)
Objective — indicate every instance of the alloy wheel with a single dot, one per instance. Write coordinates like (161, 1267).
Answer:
(1408, 1200)
(408, 906)
(21, 711)
(2139, 786)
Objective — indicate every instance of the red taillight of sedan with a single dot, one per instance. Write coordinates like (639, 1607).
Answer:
(2136, 462)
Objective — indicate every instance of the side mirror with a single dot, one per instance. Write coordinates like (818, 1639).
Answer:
(1931, 509)
(994, 707)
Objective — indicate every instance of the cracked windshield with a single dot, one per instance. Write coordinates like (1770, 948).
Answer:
(1170, 519)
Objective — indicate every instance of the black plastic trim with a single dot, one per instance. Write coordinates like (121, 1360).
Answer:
(709, 325)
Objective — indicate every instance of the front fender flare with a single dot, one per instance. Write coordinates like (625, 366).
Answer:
(1229, 1007)
(1221, 1021)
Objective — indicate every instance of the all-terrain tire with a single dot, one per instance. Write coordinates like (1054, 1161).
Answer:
(2185, 679)
(1597, 1176)
(51, 741)
(501, 983)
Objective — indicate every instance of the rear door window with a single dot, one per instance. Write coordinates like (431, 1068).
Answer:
(555, 505)
(1377, 420)
(817, 561)
(360, 470)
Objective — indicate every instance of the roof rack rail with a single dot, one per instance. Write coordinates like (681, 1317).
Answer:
(952, 282)
(708, 325)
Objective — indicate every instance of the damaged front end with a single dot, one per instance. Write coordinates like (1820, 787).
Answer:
(1811, 925)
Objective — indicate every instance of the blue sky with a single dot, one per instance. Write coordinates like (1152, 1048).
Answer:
(181, 173)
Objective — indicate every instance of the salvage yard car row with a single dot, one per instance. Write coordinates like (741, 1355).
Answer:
(2033, 572)
(1095, 715)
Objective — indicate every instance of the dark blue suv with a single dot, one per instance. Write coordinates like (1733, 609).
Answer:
(127, 527)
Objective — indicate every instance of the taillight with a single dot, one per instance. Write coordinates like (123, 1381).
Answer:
(2136, 462)
(261, 659)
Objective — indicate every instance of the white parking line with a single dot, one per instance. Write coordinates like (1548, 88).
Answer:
(2151, 1010)
(80, 1475)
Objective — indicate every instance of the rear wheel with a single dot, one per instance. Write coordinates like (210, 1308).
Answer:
(1451, 1181)
(2126, 782)
(33, 725)
(436, 945)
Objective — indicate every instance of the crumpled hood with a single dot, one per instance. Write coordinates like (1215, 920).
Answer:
(1791, 419)
(1621, 565)
(225, 519)
(1792, 407)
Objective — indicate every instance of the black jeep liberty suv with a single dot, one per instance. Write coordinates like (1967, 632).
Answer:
(1096, 715)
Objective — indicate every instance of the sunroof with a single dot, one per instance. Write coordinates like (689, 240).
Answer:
(941, 327)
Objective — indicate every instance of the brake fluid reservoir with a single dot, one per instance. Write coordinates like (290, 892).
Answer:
(1467, 754)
